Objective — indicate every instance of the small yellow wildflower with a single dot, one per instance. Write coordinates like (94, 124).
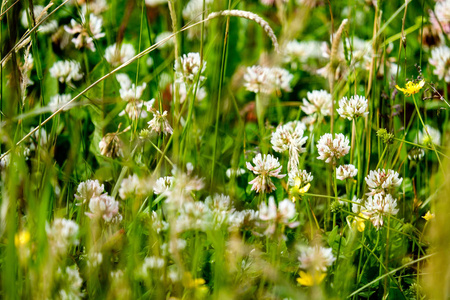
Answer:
(428, 216)
(22, 238)
(307, 279)
(191, 283)
(296, 191)
(411, 87)
(359, 222)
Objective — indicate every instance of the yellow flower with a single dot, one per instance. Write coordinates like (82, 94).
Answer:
(359, 222)
(428, 216)
(411, 87)
(307, 279)
(22, 238)
(296, 191)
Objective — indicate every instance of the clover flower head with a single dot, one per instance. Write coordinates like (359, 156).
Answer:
(88, 189)
(317, 102)
(354, 107)
(383, 181)
(290, 137)
(378, 207)
(117, 55)
(66, 71)
(331, 149)
(346, 171)
(316, 258)
(189, 67)
(159, 123)
(266, 166)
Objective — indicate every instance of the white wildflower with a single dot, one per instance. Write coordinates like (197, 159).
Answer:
(331, 149)
(440, 59)
(258, 79)
(187, 68)
(62, 234)
(441, 16)
(383, 181)
(346, 171)
(104, 207)
(246, 219)
(162, 36)
(416, 153)
(282, 215)
(281, 79)
(152, 262)
(316, 258)
(39, 13)
(319, 102)
(266, 166)
(66, 71)
(159, 123)
(379, 206)
(163, 184)
(59, 100)
(70, 283)
(119, 55)
(354, 107)
(133, 186)
(85, 36)
(88, 189)
(290, 137)
(297, 177)
(434, 136)
(295, 51)
(357, 206)
(234, 172)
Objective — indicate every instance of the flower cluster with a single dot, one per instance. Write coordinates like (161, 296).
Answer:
(266, 166)
(259, 79)
(84, 37)
(346, 171)
(317, 102)
(289, 137)
(66, 71)
(189, 68)
(354, 107)
(282, 215)
(62, 234)
(315, 260)
(331, 149)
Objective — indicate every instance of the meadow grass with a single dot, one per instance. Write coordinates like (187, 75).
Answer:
(272, 149)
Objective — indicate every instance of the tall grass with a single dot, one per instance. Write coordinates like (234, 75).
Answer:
(224, 149)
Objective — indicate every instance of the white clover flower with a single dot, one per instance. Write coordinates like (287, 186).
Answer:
(194, 9)
(182, 187)
(440, 59)
(243, 219)
(234, 172)
(184, 90)
(316, 258)
(104, 207)
(258, 79)
(88, 189)
(354, 107)
(379, 206)
(319, 102)
(119, 55)
(70, 283)
(85, 37)
(159, 123)
(383, 181)
(268, 212)
(128, 90)
(62, 234)
(162, 36)
(281, 79)
(155, 2)
(163, 184)
(331, 149)
(299, 178)
(433, 138)
(266, 166)
(295, 51)
(416, 154)
(357, 207)
(133, 186)
(59, 100)
(346, 171)
(187, 68)
(441, 16)
(289, 137)
(66, 71)
(282, 215)
(136, 109)
(152, 262)
(47, 26)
